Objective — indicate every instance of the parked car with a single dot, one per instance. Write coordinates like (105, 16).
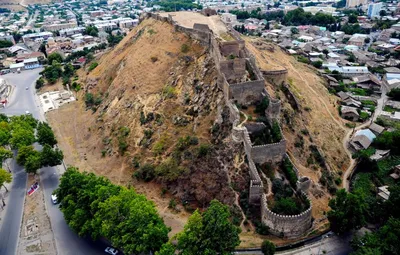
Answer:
(54, 199)
(111, 250)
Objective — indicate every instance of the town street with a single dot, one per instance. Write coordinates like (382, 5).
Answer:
(21, 101)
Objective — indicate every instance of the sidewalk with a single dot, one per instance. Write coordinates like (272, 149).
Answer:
(5, 195)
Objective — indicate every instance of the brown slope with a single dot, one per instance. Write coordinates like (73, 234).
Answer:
(130, 80)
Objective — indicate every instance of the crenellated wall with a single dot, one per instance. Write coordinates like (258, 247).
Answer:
(247, 93)
(288, 226)
(275, 77)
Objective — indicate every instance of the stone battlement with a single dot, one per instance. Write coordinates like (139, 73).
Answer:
(288, 226)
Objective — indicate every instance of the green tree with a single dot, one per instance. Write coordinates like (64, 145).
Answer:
(45, 134)
(211, 232)
(50, 156)
(294, 30)
(91, 30)
(23, 153)
(5, 133)
(392, 205)
(33, 163)
(317, 64)
(394, 93)
(54, 57)
(79, 195)
(5, 177)
(93, 205)
(166, 249)
(131, 222)
(39, 83)
(348, 211)
(268, 248)
(21, 137)
(353, 18)
(5, 44)
(5, 154)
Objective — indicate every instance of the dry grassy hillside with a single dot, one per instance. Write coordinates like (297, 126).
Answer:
(317, 123)
(153, 91)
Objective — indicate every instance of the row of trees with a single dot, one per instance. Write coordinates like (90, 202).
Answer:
(19, 133)
(95, 207)
(351, 211)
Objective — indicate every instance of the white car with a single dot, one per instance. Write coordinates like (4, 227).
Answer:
(54, 199)
(111, 250)
(26, 88)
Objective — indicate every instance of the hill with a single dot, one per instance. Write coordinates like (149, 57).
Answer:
(157, 113)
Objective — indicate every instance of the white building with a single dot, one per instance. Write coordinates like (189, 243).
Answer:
(374, 9)
(71, 31)
(35, 36)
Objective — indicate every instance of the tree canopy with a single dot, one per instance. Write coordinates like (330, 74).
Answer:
(211, 232)
(94, 206)
(5, 177)
(268, 248)
(348, 211)
(45, 134)
(54, 57)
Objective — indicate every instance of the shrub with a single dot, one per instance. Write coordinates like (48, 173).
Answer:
(93, 66)
(268, 248)
(303, 59)
(262, 106)
(289, 172)
(145, 172)
(317, 64)
(204, 150)
(39, 83)
(168, 92)
(185, 48)
(153, 59)
(89, 99)
(169, 169)
(286, 206)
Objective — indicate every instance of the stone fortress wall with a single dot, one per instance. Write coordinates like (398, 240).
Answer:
(232, 60)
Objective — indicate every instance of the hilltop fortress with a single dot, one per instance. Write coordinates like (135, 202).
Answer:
(233, 61)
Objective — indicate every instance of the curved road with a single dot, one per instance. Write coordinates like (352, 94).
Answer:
(67, 242)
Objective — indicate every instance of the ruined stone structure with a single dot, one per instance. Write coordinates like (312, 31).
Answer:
(243, 83)
(290, 226)
(275, 77)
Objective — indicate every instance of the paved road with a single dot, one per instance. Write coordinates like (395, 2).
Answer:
(20, 102)
(10, 224)
(67, 241)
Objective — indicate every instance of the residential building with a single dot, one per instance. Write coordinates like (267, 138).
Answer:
(36, 36)
(374, 9)
(355, 3)
(349, 113)
(71, 31)
(59, 26)
(362, 139)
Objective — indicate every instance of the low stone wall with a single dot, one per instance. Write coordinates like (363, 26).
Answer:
(275, 77)
(288, 226)
(274, 152)
(247, 93)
